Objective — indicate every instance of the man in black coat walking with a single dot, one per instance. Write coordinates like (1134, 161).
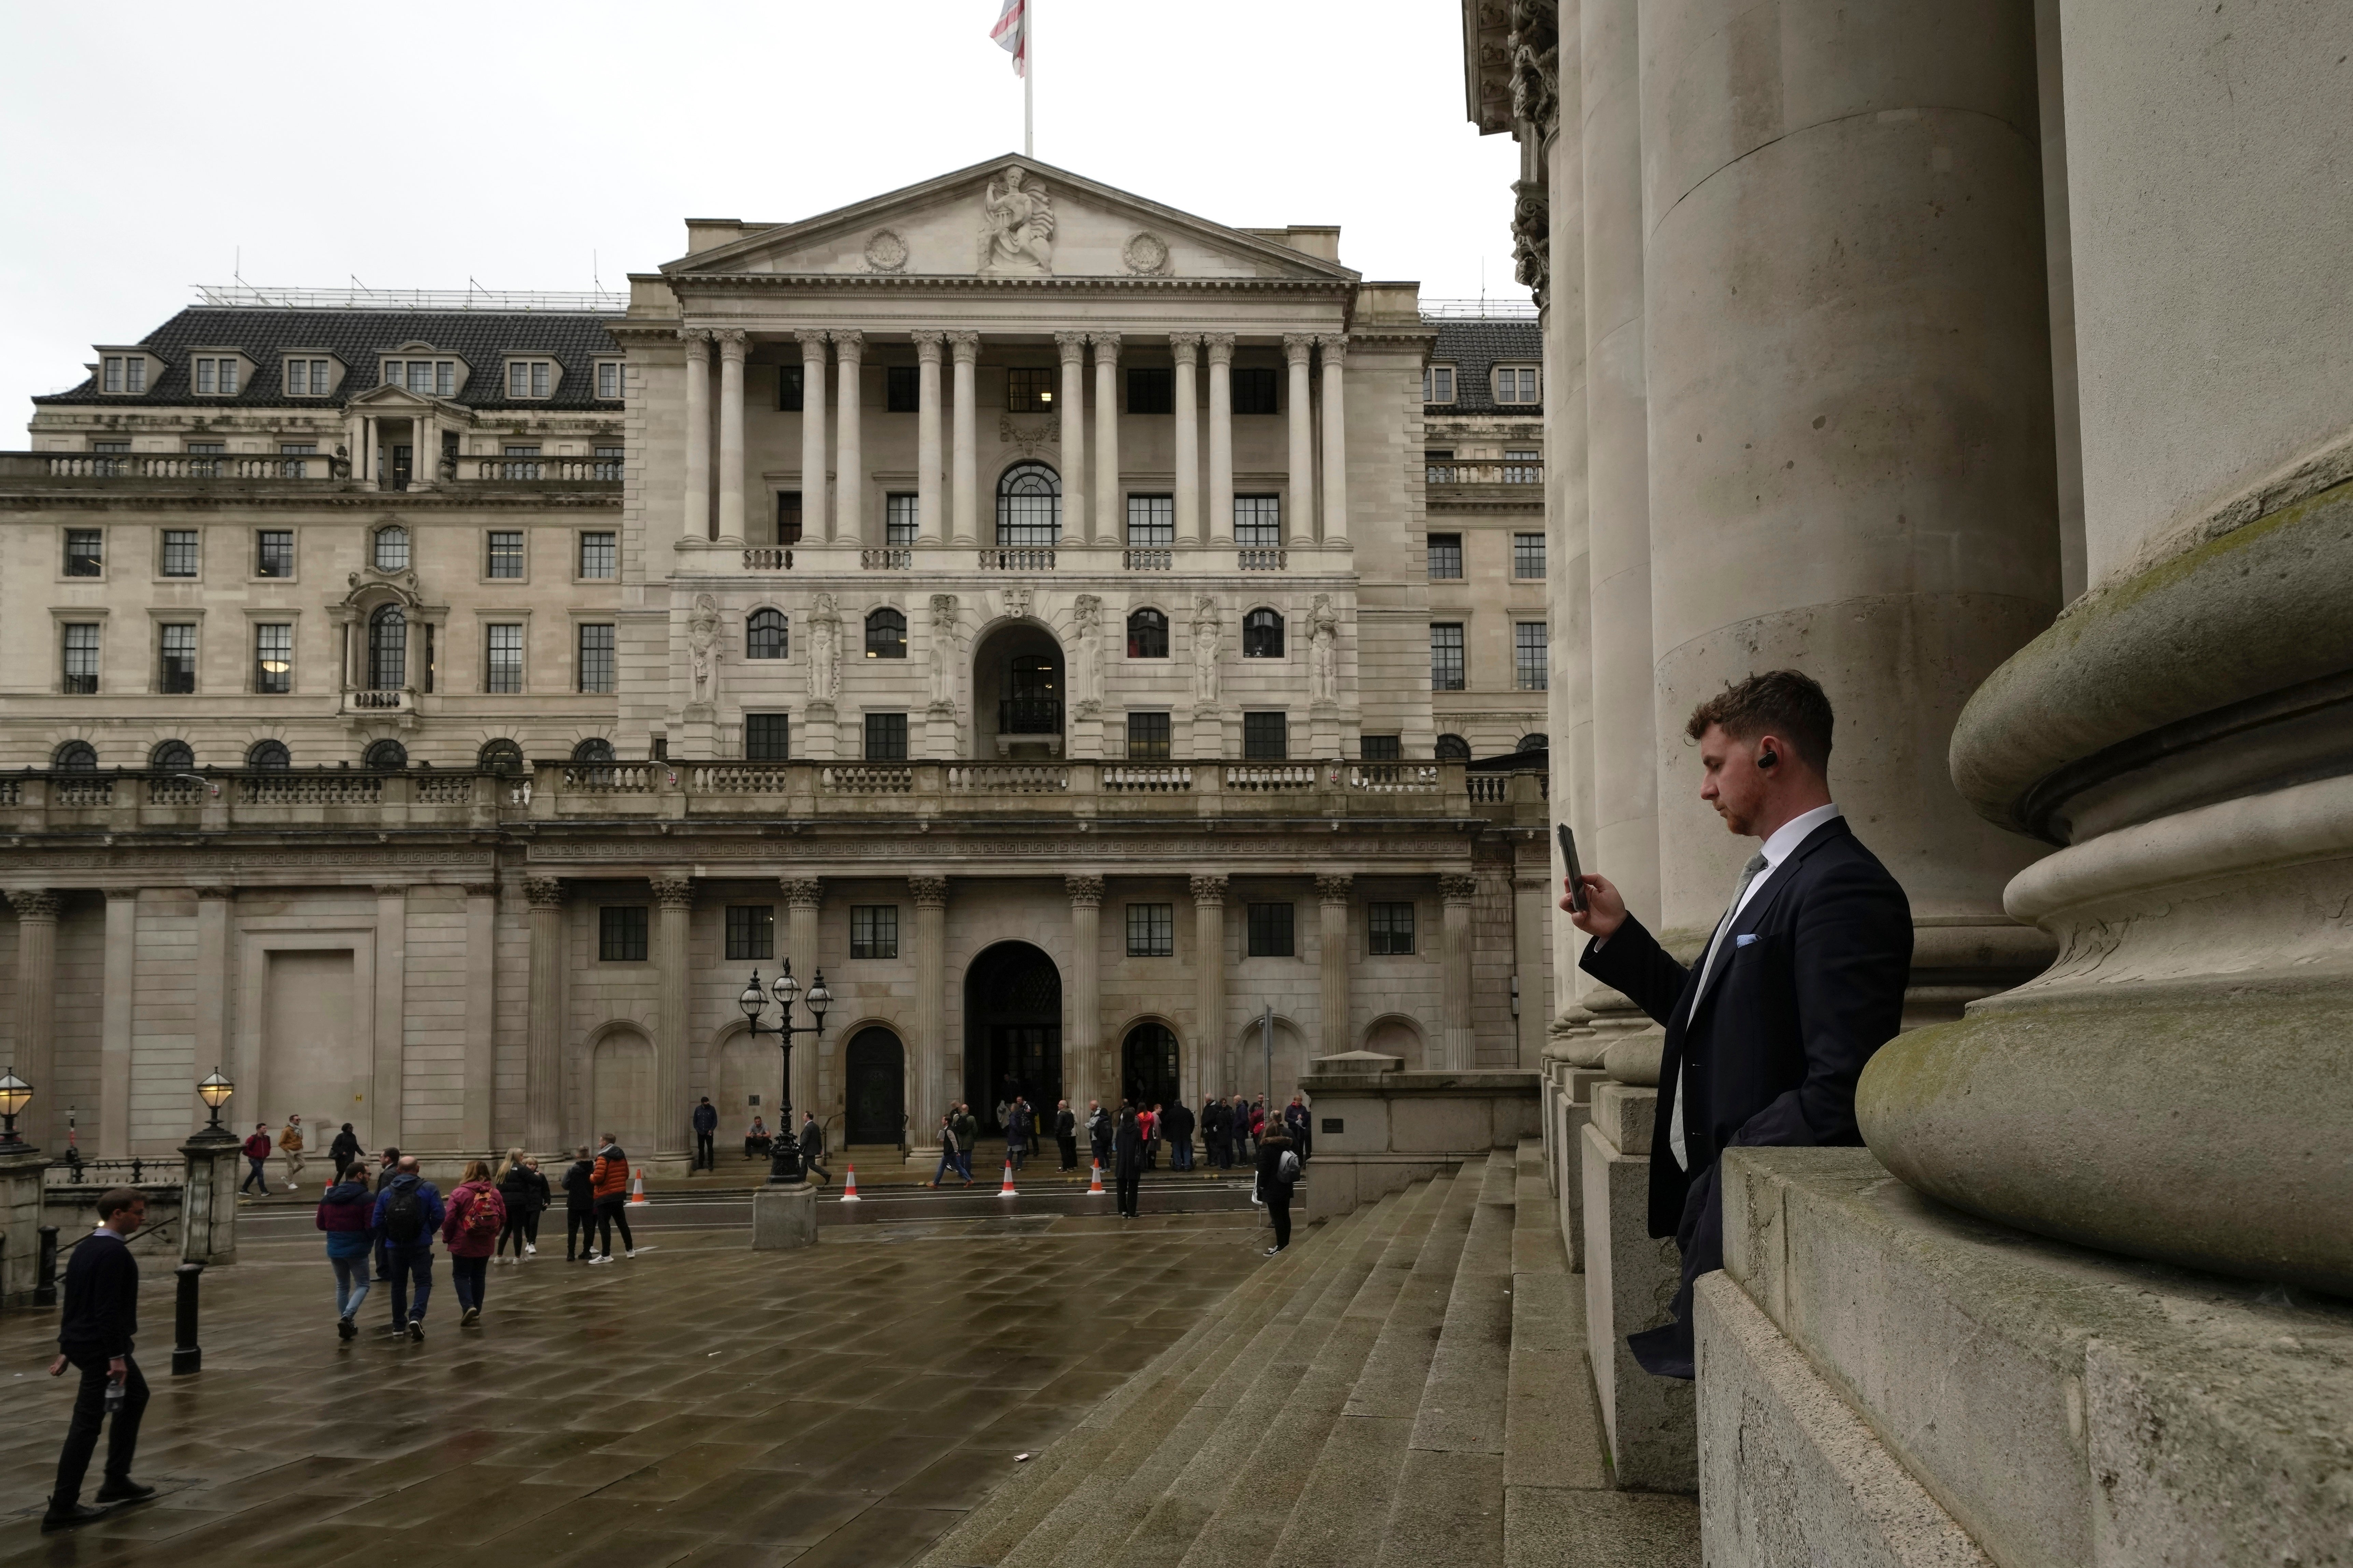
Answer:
(1801, 982)
(94, 1335)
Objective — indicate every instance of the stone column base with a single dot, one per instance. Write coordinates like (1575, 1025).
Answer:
(1631, 1277)
(784, 1218)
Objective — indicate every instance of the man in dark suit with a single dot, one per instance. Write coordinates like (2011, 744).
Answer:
(1802, 979)
(94, 1334)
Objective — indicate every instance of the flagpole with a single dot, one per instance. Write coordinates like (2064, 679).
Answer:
(1028, 73)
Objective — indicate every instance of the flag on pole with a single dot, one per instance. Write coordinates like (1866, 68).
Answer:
(1012, 34)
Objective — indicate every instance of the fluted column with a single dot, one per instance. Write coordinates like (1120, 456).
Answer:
(1336, 441)
(803, 898)
(814, 513)
(1221, 437)
(1332, 964)
(928, 1060)
(1107, 529)
(120, 985)
(1073, 399)
(1204, 1063)
(848, 458)
(1458, 892)
(927, 437)
(543, 1018)
(675, 896)
(1081, 1036)
(1186, 407)
(966, 346)
(694, 517)
(1297, 348)
(731, 434)
(36, 1001)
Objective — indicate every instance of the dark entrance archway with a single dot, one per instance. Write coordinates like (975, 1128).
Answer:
(1012, 1030)
(1147, 1067)
(875, 1075)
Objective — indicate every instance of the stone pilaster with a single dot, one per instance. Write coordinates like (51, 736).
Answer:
(1298, 348)
(1205, 1064)
(1186, 406)
(1458, 893)
(1221, 437)
(803, 898)
(674, 896)
(391, 1000)
(966, 484)
(1335, 349)
(694, 514)
(1081, 1036)
(849, 453)
(731, 434)
(815, 514)
(1334, 892)
(544, 1023)
(477, 1123)
(121, 960)
(927, 436)
(929, 1056)
(1107, 521)
(37, 999)
(1073, 400)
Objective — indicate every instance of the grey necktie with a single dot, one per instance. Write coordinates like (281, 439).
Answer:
(1748, 873)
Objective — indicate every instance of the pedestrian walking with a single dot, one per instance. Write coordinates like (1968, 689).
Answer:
(813, 1148)
(1278, 1173)
(968, 1132)
(345, 1150)
(580, 1208)
(94, 1335)
(289, 1143)
(1177, 1126)
(706, 1129)
(1127, 1153)
(477, 1216)
(347, 1213)
(947, 1149)
(1017, 1132)
(1217, 1124)
(1099, 1132)
(387, 1167)
(407, 1212)
(612, 1188)
(519, 1188)
(1066, 1134)
(540, 1198)
(256, 1156)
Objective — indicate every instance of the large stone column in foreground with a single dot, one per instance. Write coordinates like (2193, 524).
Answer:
(674, 896)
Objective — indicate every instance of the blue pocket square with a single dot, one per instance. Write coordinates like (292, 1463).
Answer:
(1744, 938)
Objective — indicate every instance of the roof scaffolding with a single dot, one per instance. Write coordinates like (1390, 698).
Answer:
(357, 296)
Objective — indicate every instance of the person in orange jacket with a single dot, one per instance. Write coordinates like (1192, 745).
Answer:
(612, 1189)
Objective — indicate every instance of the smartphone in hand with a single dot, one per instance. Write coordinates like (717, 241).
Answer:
(1576, 895)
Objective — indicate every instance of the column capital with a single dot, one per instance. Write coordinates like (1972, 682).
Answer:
(1458, 888)
(673, 892)
(803, 892)
(697, 345)
(730, 341)
(1335, 348)
(1221, 347)
(34, 903)
(928, 345)
(1086, 892)
(1209, 889)
(1073, 346)
(1185, 345)
(929, 892)
(216, 892)
(543, 892)
(390, 890)
(812, 342)
(964, 346)
(848, 344)
(1336, 888)
(479, 890)
(1106, 345)
(1297, 346)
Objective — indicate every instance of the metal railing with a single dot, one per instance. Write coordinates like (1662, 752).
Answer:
(75, 1172)
(1029, 716)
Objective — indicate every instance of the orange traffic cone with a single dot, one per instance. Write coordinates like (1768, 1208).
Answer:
(849, 1187)
(1007, 1190)
(1094, 1186)
(637, 1188)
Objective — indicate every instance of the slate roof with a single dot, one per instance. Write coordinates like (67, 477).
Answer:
(1472, 347)
(480, 338)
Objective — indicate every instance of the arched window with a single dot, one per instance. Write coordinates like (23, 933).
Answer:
(886, 634)
(1261, 635)
(766, 635)
(1536, 742)
(1029, 506)
(169, 755)
(386, 757)
(268, 755)
(1453, 748)
(75, 756)
(387, 648)
(391, 551)
(596, 749)
(1147, 635)
(499, 757)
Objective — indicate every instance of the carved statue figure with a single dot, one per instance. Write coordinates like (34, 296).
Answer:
(1016, 231)
(1324, 650)
(1209, 632)
(943, 651)
(1086, 660)
(702, 646)
(825, 650)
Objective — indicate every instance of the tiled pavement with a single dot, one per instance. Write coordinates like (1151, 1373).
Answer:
(698, 1405)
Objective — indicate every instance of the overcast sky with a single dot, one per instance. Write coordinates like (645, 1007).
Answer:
(152, 146)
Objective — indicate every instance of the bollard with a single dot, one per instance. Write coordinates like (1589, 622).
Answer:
(187, 1356)
(45, 1278)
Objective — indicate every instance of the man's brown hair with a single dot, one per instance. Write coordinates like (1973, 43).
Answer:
(114, 1200)
(1782, 702)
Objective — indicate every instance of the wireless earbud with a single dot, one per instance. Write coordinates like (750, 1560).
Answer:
(1770, 759)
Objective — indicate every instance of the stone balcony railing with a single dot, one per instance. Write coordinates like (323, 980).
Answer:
(806, 558)
(295, 472)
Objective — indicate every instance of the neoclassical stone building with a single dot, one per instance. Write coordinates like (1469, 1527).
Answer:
(1009, 596)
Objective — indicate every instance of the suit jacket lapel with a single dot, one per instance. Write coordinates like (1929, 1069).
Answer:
(1778, 879)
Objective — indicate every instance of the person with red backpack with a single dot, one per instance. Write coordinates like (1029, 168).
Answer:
(477, 1215)
(407, 1212)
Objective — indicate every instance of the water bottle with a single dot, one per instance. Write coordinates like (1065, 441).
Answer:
(115, 1393)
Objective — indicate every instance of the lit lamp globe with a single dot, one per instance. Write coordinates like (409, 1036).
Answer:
(215, 1091)
(15, 1094)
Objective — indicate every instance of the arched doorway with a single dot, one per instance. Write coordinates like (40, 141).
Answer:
(1016, 692)
(622, 1091)
(1147, 1067)
(1012, 1030)
(874, 1095)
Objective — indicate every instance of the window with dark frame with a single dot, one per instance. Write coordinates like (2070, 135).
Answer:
(503, 672)
(1446, 656)
(609, 379)
(621, 934)
(1266, 737)
(750, 931)
(886, 634)
(1453, 748)
(1381, 748)
(1438, 383)
(599, 554)
(391, 548)
(1263, 635)
(1151, 522)
(506, 553)
(1151, 389)
(873, 930)
(1151, 931)
(886, 737)
(1516, 384)
(899, 518)
(1531, 668)
(1028, 506)
(767, 738)
(596, 659)
(1389, 928)
(1257, 522)
(1149, 737)
(901, 390)
(179, 552)
(1028, 389)
(788, 516)
(768, 635)
(273, 553)
(1270, 933)
(273, 657)
(1254, 389)
(1522, 466)
(1438, 467)
(1445, 557)
(175, 649)
(85, 553)
(1148, 633)
(788, 389)
(1527, 555)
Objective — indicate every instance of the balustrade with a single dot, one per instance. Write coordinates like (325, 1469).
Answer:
(767, 558)
(1018, 558)
(1394, 778)
(1147, 560)
(1269, 777)
(1129, 779)
(1008, 778)
(1256, 558)
(891, 558)
(866, 778)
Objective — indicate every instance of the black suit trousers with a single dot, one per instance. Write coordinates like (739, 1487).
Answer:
(88, 1415)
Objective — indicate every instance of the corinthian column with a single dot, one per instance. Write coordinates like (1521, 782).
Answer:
(1331, 964)
(803, 897)
(675, 895)
(813, 508)
(1297, 347)
(928, 1060)
(1081, 1036)
(1107, 529)
(849, 461)
(927, 437)
(37, 999)
(694, 520)
(1221, 437)
(731, 434)
(1335, 442)
(966, 346)
(1073, 399)
(543, 1040)
(1204, 1064)
(1187, 405)
(1458, 893)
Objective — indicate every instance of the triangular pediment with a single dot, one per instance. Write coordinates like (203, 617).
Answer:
(387, 398)
(1011, 216)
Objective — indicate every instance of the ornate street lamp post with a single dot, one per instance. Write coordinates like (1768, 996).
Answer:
(215, 1091)
(15, 1094)
(784, 1146)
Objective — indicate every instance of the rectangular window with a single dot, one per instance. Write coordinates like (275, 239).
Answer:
(273, 553)
(521, 471)
(300, 378)
(81, 657)
(392, 372)
(1527, 555)
(85, 553)
(504, 671)
(176, 650)
(179, 552)
(873, 930)
(1380, 748)
(420, 377)
(1446, 656)
(1254, 390)
(886, 737)
(529, 378)
(596, 659)
(1266, 737)
(1438, 467)
(506, 552)
(788, 389)
(1257, 522)
(297, 450)
(609, 461)
(901, 390)
(1147, 737)
(1391, 927)
(898, 518)
(1445, 557)
(1529, 671)
(767, 738)
(444, 377)
(1438, 383)
(621, 934)
(1151, 931)
(1522, 466)
(1515, 384)
(788, 516)
(206, 449)
(215, 377)
(751, 930)
(1151, 390)
(1151, 522)
(113, 381)
(1028, 390)
(598, 554)
(609, 379)
(1270, 931)
(273, 659)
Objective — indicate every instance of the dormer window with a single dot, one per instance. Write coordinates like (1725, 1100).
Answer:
(124, 374)
(1438, 383)
(425, 377)
(530, 377)
(215, 376)
(1516, 384)
(609, 379)
(309, 377)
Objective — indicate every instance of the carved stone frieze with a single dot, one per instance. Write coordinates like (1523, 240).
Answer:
(1017, 225)
(1535, 43)
(1532, 238)
(885, 251)
(1027, 437)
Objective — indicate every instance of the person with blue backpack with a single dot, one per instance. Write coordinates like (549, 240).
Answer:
(407, 1212)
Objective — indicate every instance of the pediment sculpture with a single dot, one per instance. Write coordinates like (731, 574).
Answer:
(1017, 228)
